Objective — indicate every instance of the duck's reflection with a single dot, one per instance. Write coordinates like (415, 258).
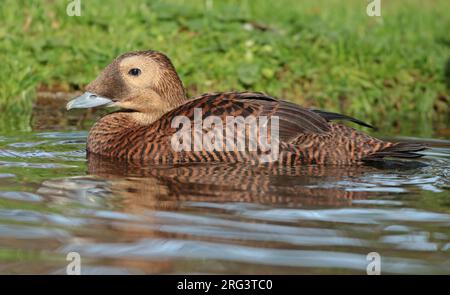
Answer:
(166, 187)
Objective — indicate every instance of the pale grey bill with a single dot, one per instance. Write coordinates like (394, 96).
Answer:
(88, 100)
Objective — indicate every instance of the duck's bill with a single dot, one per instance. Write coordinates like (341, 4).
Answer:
(88, 100)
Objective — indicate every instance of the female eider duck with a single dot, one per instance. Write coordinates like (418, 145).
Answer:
(151, 96)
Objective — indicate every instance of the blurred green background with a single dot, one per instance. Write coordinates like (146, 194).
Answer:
(392, 71)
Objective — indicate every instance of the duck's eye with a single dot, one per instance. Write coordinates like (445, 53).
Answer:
(134, 72)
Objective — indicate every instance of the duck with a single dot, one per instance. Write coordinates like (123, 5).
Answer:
(157, 122)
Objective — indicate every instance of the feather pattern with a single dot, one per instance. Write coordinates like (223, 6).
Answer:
(305, 136)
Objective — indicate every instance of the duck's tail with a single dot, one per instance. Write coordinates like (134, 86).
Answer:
(398, 150)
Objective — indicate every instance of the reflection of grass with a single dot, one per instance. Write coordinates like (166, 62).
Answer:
(433, 201)
(324, 53)
(6, 204)
(15, 255)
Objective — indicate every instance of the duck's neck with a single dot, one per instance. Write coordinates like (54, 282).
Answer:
(114, 129)
(171, 90)
(145, 119)
(111, 132)
(173, 97)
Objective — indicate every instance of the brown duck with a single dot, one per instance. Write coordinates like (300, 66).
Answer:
(150, 95)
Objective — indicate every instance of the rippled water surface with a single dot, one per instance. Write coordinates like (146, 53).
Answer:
(217, 218)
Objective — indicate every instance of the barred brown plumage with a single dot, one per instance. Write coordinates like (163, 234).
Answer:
(143, 130)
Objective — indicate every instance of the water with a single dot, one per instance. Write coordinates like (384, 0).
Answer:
(124, 219)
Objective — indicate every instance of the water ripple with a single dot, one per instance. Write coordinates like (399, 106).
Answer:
(350, 215)
(160, 249)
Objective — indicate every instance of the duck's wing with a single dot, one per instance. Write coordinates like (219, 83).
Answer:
(330, 116)
(293, 119)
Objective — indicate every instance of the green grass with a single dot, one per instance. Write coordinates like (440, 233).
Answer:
(387, 70)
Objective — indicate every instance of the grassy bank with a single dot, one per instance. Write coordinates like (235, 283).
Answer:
(388, 70)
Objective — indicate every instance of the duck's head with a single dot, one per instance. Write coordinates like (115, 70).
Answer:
(142, 81)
